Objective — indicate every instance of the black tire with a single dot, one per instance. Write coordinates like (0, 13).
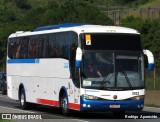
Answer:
(22, 99)
(3, 90)
(64, 105)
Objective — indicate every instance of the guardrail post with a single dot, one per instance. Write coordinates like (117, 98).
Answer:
(154, 78)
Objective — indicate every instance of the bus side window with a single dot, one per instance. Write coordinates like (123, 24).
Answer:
(52, 40)
(34, 47)
(24, 41)
(46, 48)
(18, 48)
(12, 48)
(43, 46)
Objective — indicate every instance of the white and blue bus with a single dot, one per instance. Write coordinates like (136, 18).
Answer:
(49, 66)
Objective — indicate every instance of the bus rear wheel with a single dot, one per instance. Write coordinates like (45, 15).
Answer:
(64, 105)
(22, 100)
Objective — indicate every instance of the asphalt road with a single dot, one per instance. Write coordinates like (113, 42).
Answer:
(8, 106)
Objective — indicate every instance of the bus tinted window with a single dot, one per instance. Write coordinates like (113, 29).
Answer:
(111, 42)
(54, 45)
(12, 48)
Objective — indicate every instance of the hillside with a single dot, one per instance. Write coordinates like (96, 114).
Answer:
(151, 4)
(118, 10)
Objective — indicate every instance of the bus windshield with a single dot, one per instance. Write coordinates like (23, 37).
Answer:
(112, 70)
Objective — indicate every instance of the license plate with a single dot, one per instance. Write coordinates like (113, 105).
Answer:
(114, 106)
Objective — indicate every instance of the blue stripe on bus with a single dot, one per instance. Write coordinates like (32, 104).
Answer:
(78, 63)
(151, 66)
(104, 105)
(31, 61)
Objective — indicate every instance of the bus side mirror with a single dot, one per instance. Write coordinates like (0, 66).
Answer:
(150, 59)
(78, 57)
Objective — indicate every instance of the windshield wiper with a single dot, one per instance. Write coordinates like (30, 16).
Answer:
(126, 77)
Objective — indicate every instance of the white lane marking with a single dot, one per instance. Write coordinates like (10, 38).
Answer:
(27, 111)
(4, 96)
(16, 109)
(79, 120)
(152, 107)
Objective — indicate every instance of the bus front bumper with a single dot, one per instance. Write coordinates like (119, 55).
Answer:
(111, 105)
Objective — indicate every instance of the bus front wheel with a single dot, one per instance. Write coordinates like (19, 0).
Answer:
(64, 105)
(22, 100)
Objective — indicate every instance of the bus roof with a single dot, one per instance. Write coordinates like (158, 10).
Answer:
(51, 27)
(79, 28)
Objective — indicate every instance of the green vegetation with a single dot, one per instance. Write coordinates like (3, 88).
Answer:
(151, 4)
(135, 10)
(4, 120)
(152, 105)
(149, 84)
(121, 2)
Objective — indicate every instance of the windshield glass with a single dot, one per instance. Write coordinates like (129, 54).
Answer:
(112, 70)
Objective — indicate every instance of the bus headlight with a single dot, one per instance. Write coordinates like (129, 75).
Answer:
(89, 97)
(137, 98)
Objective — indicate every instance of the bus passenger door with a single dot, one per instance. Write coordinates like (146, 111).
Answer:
(77, 90)
(74, 96)
(77, 98)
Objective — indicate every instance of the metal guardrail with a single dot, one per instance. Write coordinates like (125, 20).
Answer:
(152, 79)
(150, 13)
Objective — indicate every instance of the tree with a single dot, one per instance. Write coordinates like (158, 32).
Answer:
(22, 4)
(150, 34)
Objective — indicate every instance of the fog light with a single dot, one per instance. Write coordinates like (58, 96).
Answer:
(89, 106)
(84, 105)
(137, 98)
